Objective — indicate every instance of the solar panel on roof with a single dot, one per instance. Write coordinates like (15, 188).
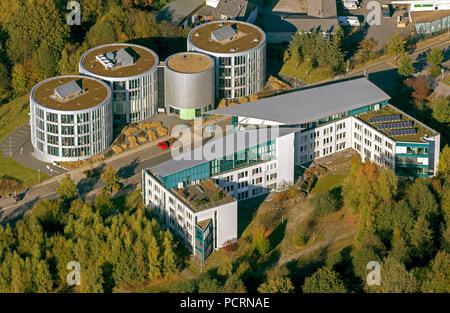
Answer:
(399, 132)
(403, 124)
(385, 118)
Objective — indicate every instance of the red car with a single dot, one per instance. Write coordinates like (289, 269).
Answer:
(163, 145)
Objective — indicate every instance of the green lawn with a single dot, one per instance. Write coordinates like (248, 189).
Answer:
(13, 115)
(300, 72)
(327, 183)
(27, 176)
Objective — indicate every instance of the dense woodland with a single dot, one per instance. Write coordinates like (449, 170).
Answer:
(36, 42)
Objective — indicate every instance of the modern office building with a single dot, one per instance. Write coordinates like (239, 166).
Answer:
(348, 114)
(70, 118)
(195, 194)
(239, 51)
(189, 84)
(131, 72)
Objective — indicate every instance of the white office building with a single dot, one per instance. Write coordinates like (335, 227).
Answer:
(131, 72)
(70, 118)
(239, 51)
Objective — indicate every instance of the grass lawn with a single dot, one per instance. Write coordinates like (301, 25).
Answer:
(13, 115)
(327, 183)
(316, 74)
(27, 176)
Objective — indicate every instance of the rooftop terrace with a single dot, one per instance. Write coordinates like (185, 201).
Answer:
(203, 196)
(421, 130)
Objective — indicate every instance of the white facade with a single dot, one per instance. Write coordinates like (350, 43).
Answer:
(182, 219)
(238, 73)
(70, 135)
(135, 98)
(350, 132)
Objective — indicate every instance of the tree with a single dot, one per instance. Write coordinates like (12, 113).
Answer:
(46, 60)
(366, 48)
(420, 90)
(397, 47)
(67, 190)
(324, 280)
(277, 282)
(395, 278)
(4, 78)
(441, 109)
(438, 277)
(103, 203)
(435, 57)
(154, 262)
(405, 67)
(111, 179)
(421, 238)
(262, 244)
(225, 268)
(43, 279)
(444, 162)
(169, 257)
(18, 78)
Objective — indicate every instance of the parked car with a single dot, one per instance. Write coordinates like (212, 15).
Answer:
(163, 145)
(348, 21)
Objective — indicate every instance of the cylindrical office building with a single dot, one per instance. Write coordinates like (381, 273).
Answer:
(189, 84)
(131, 72)
(239, 51)
(70, 118)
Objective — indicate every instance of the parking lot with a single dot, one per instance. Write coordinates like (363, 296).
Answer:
(380, 33)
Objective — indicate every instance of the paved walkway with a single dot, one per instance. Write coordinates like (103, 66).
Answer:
(129, 164)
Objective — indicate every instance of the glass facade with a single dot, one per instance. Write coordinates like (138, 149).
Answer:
(414, 162)
(71, 136)
(249, 156)
(433, 27)
(203, 241)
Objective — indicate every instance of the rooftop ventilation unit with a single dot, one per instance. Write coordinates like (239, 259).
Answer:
(104, 61)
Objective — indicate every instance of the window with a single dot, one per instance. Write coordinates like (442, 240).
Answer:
(67, 119)
(67, 130)
(52, 117)
(52, 128)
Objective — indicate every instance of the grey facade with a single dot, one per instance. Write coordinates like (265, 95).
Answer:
(238, 73)
(189, 94)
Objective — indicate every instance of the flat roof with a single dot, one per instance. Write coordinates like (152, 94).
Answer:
(96, 93)
(322, 8)
(146, 59)
(203, 196)
(280, 23)
(421, 129)
(310, 104)
(428, 16)
(189, 62)
(248, 37)
(229, 145)
(177, 11)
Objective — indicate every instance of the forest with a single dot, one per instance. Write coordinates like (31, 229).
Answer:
(36, 41)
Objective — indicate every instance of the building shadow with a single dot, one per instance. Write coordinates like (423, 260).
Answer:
(128, 171)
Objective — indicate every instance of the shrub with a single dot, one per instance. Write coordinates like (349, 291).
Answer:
(9, 185)
(435, 70)
(324, 204)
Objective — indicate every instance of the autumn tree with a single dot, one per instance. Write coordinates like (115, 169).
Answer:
(420, 90)
(435, 58)
(277, 282)
(438, 277)
(262, 244)
(111, 179)
(67, 190)
(441, 109)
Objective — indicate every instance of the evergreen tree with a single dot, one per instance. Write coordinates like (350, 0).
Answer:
(438, 277)
(169, 264)
(111, 179)
(324, 280)
(405, 67)
(154, 262)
